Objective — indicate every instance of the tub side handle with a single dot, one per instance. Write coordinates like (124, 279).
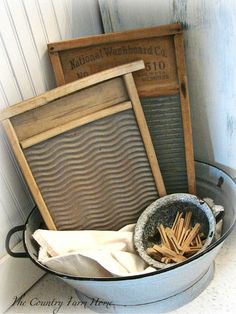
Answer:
(7, 242)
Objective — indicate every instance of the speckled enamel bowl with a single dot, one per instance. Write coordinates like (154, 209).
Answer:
(163, 211)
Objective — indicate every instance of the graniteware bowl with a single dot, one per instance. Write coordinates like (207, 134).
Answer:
(163, 211)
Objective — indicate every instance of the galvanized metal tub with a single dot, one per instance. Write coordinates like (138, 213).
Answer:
(162, 290)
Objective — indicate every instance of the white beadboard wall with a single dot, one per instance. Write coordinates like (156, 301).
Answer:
(210, 38)
(26, 26)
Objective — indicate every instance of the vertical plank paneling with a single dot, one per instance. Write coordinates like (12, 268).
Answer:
(210, 53)
(40, 39)
(49, 20)
(3, 97)
(85, 16)
(61, 14)
(210, 35)
(14, 199)
(27, 46)
(10, 91)
(25, 29)
(13, 178)
(25, 71)
(121, 15)
(26, 26)
(11, 45)
(5, 222)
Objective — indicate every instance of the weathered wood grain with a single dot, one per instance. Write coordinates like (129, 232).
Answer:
(133, 94)
(59, 92)
(86, 139)
(43, 136)
(210, 65)
(28, 174)
(162, 76)
(74, 106)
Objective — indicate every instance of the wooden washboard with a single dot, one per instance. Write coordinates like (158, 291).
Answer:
(86, 152)
(162, 87)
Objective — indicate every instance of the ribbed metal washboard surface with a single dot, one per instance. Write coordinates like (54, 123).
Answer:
(96, 176)
(163, 115)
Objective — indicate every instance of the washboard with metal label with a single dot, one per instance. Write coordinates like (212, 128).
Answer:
(162, 87)
(86, 152)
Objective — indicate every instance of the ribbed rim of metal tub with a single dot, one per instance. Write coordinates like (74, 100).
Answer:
(132, 277)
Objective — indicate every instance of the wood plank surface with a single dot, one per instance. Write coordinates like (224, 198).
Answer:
(185, 107)
(74, 124)
(60, 143)
(181, 173)
(28, 174)
(91, 55)
(57, 68)
(69, 108)
(141, 33)
(56, 93)
(163, 76)
(133, 94)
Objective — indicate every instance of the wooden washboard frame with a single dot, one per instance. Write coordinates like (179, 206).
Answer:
(162, 88)
(47, 117)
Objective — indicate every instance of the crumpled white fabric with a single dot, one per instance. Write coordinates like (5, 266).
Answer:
(89, 253)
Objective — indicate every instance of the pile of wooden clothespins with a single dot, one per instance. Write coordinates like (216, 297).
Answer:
(179, 242)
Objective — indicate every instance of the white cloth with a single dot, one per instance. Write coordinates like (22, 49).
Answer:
(90, 253)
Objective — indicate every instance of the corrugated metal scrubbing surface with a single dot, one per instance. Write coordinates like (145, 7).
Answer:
(96, 176)
(163, 115)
